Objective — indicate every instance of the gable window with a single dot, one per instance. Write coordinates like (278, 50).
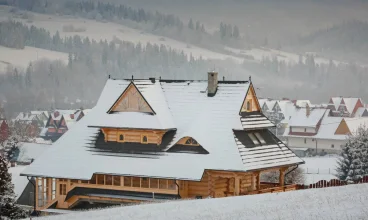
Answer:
(121, 137)
(249, 105)
(144, 139)
(191, 141)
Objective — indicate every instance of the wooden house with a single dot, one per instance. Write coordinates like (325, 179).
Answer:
(153, 140)
(344, 107)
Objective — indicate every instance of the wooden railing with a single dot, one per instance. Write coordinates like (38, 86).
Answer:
(274, 189)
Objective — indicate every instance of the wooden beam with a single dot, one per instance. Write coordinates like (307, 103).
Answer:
(237, 186)
(282, 176)
(258, 181)
(211, 185)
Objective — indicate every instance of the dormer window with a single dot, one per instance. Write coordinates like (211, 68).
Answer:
(144, 139)
(191, 141)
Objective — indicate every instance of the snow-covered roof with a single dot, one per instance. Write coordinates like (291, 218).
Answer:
(300, 118)
(183, 105)
(26, 117)
(336, 101)
(354, 123)
(262, 102)
(350, 104)
(30, 151)
(270, 104)
(289, 111)
(360, 111)
(20, 182)
(326, 130)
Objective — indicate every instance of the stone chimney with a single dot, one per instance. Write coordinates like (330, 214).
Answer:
(307, 110)
(212, 84)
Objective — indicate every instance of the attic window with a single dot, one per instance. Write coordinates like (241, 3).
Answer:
(121, 137)
(249, 105)
(191, 141)
(144, 139)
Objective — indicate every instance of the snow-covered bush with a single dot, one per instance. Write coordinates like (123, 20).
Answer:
(296, 176)
(353, 164)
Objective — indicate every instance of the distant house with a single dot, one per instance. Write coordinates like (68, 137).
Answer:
(59, 122)
(361, 112)
(155, 140)
(29, 124)
(344, 107)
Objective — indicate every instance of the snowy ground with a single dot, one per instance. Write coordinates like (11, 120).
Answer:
(20, 182)
(107, 30)
(346, 202)
(22, 58)
(319, 168)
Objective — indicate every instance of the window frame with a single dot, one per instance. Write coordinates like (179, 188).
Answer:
(248, 105)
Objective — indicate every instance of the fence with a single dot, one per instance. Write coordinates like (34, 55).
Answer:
(334, 182)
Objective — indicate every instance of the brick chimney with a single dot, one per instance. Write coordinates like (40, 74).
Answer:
(307, 110)
(212, 84)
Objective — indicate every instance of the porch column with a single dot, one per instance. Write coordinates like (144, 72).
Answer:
(282, 176)
(258, 181)
(237, 186)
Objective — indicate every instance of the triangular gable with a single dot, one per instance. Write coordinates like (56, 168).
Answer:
(250, 103)
(342, 102)
(365, 113)
(343, 128)
(131, 100)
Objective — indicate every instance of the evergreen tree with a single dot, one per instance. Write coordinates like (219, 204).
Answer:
(70, 60)
(28, 76)
(345, 162)
(190, 24)
(8, 208)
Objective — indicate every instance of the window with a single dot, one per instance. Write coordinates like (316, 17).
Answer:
(93, 180)
(108, 179)
(163, 184)
(144, 139)
(116, 180)
(154, 183)
(305, 140)
(305, 129)
(63, 189)
(128, 181)
(121, 137)
(249, 105)
(260, 138)
(332, 146)
(136, 182)
(53, 189)
(101, 179)
(191, 141)
(254, 139)
(144, 182)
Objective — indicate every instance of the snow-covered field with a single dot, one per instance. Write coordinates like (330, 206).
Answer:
(345, 203)
(109, 31)
(319, 168)
(22, 58)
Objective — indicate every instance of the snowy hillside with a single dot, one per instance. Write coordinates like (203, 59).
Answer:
(348, 202)
(21, 58)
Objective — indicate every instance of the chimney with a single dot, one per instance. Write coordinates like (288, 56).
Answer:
(212, 84)
(307, 110)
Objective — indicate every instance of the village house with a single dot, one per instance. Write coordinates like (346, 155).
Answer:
(59, 122)
(345, 107)
(152, 140)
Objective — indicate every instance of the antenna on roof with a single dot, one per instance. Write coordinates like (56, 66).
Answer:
(223, 78)
(132, 77)
(250, 79)
(109, 76)
(160, 78)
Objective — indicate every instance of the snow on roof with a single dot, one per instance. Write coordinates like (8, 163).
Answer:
(336, 101)
(300, 118)
(354, 123)
(270, 104)
(289, 111)
(283, 104)
(360, 111)
(25, 116)
(350, 104)
(184, 106)
(345, 202)
(326, 130)
(20, 182)
(262, 102)
(30, 151)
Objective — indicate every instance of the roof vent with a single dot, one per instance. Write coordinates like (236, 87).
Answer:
(212, 84)
(153, 79)
(307, 111)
